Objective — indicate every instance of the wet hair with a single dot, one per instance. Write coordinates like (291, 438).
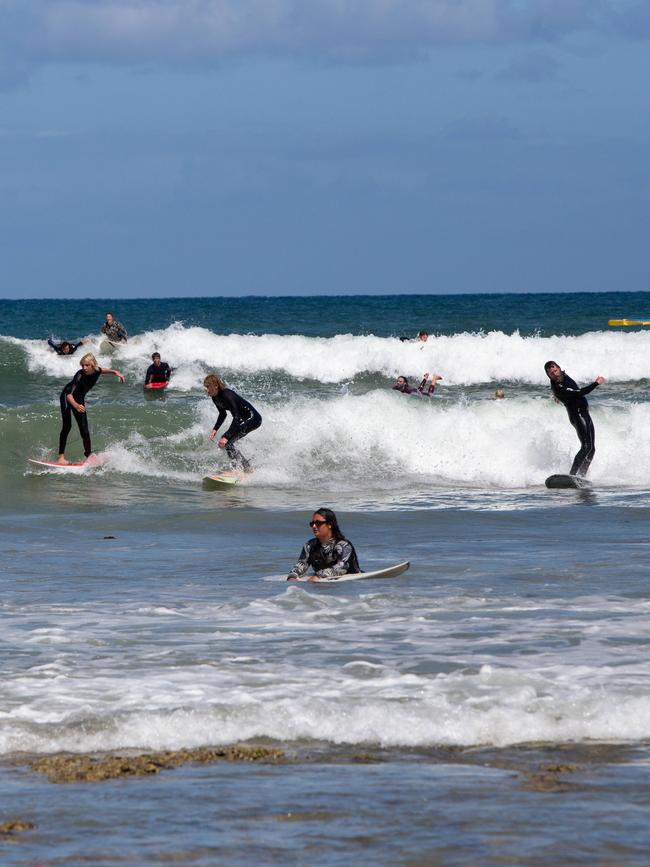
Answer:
(155, 355)
(550, 364)
(65, 344)
(89, 358)
(109, 313)
(330, 518)
(214, 381)
(422, 334)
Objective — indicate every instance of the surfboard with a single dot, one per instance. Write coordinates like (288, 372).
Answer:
(74, 467)
(388, 572)
(157, 385)
(221, 482)
(566, 481)
(110, 345)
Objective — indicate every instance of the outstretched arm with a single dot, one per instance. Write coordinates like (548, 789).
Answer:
(114, 372)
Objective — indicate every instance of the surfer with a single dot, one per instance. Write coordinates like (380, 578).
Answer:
(566, 391)
(114, 330)
(65, 347)
(72, 400)
(402, 384)
(329, 553)
(159, 371)
(245, 418)
(422, 336)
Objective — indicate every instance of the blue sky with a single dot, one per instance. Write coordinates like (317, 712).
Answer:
(227, 147)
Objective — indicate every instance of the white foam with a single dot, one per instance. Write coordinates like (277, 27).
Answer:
(463, 358)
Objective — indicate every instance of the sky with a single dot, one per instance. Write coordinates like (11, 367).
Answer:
(157, 148)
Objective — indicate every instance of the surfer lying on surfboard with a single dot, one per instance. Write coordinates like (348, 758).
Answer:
(329, 553)
(73, 401)
(402, 384)
(245, 418)
(566, 391)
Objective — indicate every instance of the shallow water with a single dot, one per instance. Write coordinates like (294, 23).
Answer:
(134, 616)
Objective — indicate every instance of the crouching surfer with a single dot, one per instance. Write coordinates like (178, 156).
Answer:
(73, 402)
(566, 391)
(329, 553)
(245, 418)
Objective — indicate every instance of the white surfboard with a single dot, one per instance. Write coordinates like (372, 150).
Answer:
(388, 572)
(73, 467)
(223, 481)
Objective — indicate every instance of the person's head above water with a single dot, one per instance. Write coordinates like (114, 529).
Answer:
(89, 363)
(325, 525)
(553, 370)
(423, 336)
(213, 384)
(109, 318)
(156, 358)
(65, 347)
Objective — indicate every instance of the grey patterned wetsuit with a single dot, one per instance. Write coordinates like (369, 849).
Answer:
(331, 560)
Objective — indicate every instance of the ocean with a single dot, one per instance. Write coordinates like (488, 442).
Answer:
(491, 705)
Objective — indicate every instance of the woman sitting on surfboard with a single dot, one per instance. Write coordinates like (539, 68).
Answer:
(329, 553)
(73, 401)
(245, 418)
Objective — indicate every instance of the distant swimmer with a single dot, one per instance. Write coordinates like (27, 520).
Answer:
(159, 371)
(73, 401)
(329, 553)
(402, 384)
(422, 336)
(567, 392)
(114, 330)
(245, 418)
(499, 394)
(65, 347)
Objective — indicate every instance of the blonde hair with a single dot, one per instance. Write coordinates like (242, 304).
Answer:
(89, 358)
(214, 381)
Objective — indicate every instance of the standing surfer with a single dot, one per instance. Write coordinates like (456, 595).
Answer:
(566, 391)
(245, 418)
(73, 401)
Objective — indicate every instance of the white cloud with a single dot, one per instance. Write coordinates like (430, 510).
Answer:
(199, 31)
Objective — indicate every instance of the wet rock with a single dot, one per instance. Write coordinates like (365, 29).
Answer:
(91, 768)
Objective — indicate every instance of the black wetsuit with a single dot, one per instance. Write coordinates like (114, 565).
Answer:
(245, 418)
(58, 347)
(161, 373)
(331, 560)
(573, 398)
(78, 387)
(406, 388)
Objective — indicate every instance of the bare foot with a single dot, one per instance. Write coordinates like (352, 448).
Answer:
(61, 460)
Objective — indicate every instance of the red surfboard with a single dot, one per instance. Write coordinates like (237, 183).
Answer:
(157, 385)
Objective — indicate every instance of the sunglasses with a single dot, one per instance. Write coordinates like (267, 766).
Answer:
(317, 523)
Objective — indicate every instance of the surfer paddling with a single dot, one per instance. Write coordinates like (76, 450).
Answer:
(73, 402)
(402, 384)
(566, 391)
(329, 553)
(65, 347)
(245, 418)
